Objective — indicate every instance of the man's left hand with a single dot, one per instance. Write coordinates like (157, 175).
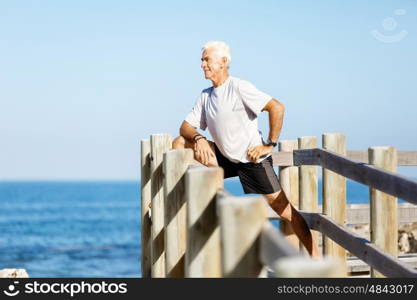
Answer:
(254, 153)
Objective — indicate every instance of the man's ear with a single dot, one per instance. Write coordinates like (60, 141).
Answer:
(224, 60)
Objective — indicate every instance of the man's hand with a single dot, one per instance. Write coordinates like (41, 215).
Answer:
(254, 153)
(203, 151)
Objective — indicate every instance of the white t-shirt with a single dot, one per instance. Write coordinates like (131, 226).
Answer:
(230, 112)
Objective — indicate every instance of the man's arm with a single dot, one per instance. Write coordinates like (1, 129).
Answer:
(202, 149)
(188, 131)
(276, 117)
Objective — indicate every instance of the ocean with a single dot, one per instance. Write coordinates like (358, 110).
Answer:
(70, 229)
(82, 229)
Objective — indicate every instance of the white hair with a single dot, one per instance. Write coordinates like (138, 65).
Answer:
(221, 48)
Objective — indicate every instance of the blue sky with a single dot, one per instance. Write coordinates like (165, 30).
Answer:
(82, 82)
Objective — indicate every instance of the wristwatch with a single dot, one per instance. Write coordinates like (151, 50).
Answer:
(271, 143)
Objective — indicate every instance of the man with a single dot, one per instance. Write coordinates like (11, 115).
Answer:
(229, 109)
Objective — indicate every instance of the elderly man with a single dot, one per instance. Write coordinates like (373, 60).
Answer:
(229, 109)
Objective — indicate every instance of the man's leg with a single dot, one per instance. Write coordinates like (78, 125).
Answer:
(280, 204)
(181, 143)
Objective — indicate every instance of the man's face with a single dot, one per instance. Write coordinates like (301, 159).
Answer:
(211, 64)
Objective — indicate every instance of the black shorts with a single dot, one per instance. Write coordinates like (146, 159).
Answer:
(256, 178)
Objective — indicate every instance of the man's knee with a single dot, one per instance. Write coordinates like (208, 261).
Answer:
(280, 204)
(178, 142)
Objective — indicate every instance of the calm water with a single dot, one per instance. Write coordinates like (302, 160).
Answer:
(81, 229)
(70, 229)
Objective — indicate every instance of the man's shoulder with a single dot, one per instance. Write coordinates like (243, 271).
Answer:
(205, 94)
(235, 83)
(239, 82)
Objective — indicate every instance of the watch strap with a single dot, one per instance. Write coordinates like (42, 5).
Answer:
(271, 143)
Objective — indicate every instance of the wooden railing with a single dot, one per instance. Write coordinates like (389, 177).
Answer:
(196, 229)
(375, 168)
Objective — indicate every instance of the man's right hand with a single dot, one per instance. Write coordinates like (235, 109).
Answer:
(203, 151)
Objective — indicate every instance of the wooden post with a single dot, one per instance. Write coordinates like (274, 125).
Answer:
(241, 223)
(308, 198)
(288, 177)
(334, 193)
(145, 183)
(160, 143)
(202, 258)
(175, 165)
(384, 207)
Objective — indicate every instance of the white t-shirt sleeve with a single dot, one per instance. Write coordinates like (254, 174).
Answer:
(253, 98)
(196, 116)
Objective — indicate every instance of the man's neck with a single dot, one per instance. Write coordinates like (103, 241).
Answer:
(220, 80)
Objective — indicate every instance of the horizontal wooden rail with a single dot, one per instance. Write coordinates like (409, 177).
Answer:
(360, 213)
(405, 158)
(359, 246)
(357, 214)
(355, 265)
(282, 158)
(384, 181)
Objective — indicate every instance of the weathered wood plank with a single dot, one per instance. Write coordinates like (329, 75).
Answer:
(175, 165)
(305, 157)
(384, 223)
(359, 156)
(405, 158)
(160, 143)
(289, 181)
(308, 178)
(359, 246)
(241, 223)
(203, 257)
(282, 158)
(334, 193)
(356, 265)
(145, 182)
(359, 213)
(308, 199)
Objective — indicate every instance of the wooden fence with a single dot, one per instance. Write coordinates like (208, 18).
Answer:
(191, 226)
